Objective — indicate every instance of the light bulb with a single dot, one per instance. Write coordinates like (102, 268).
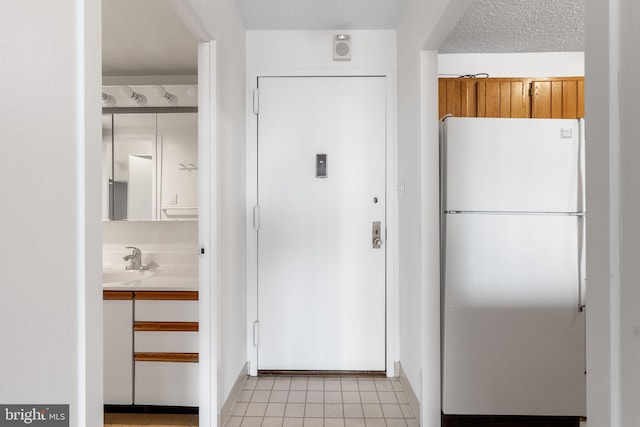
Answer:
(127, 92)
(162, 93)
(108, 99)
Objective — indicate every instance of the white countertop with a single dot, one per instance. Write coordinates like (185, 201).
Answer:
(169, 278)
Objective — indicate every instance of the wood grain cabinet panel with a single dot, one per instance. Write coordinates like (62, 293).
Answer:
(558, 98)
(511, 97)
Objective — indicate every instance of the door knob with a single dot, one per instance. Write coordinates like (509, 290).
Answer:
(377, 243)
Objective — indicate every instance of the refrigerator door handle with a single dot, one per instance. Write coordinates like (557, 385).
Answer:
(581, 248)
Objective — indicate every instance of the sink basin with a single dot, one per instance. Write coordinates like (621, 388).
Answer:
(126, 276)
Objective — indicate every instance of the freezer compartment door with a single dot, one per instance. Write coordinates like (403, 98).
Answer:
(519, 165)
(514, 338)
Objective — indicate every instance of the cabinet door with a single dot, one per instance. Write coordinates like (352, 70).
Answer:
(167, 383)
(457, 97)
(504, 98)
(118, 352)
(557, 99)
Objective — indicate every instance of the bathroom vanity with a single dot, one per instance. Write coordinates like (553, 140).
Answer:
(151, 341)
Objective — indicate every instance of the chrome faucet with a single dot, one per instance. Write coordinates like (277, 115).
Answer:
(136, 260)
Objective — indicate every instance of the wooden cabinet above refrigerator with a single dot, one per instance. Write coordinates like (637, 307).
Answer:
(558, 97)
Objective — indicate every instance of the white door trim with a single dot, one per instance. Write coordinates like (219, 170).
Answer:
(207, 234)
(392, 318)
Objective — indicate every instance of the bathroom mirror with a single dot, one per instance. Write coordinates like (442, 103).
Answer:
(150, 165)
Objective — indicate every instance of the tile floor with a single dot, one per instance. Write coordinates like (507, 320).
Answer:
(149, 420)
(301, 402)
(322, 402)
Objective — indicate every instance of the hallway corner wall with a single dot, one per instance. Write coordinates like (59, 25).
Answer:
(50, 287)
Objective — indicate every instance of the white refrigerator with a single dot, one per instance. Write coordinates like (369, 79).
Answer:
(513, 303)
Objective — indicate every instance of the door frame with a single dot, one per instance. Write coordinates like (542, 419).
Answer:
(392, 190)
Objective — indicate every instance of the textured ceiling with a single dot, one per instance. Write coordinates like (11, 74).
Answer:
(143, 37)
(320, 14)
(504, 26)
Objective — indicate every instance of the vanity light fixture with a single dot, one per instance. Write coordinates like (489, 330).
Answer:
(162, 93)
(127, 92)
(108, 99)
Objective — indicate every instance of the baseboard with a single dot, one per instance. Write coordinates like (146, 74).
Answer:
(233, 395)
(411, 394)
(149, 409)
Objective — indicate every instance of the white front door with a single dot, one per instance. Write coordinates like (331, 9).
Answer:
(321, 194)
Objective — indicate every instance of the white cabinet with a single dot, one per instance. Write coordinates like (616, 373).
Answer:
(166, 351)
(167, 383)
(166, 310)
(118, 352)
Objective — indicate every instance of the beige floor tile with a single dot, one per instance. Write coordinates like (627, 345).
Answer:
(294, 410)
(251, 422)
(298, 396)
(261, 396)
(372, 410)
(351, 397)
(272, 422)
(239, 409)
(353, 410)
(387, 397)
(234, 422)
(354, 422)
(314, 410)
(313, 422)
(383, 385)
(366, 384)
(369, 397)
(315, 396)
(298, 384)
(333, 410)
(396, 422)
(265, 384)
(258, 410)
(292, 422)
(332, 385)
(315, 384)
(275, 410)
(282, 384)
(392, 411)
(334, 422)
(402, 397)
(332, 396)
(279, 396)
(350, 384)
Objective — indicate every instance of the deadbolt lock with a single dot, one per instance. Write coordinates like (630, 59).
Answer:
(375, 235)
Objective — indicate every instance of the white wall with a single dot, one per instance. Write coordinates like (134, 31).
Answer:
(313, 50)
(50, 290)
(231, 199)
(613, 243)
(311, 53)
(424, 25)
(539, 64)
